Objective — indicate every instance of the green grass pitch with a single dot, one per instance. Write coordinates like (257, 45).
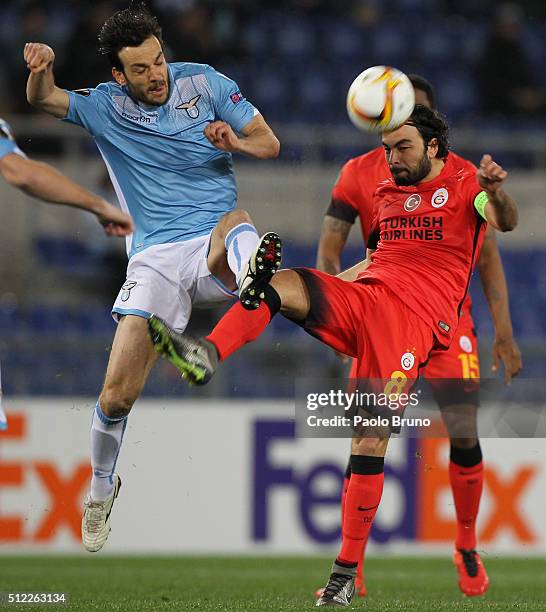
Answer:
(133, 584)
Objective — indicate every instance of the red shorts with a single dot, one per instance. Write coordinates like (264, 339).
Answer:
(366, 320)
(454, 374)
(456, 370)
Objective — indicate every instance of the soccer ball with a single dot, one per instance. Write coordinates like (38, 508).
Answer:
(380, 99)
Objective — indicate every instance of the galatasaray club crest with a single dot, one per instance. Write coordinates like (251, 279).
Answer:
(466, 344)
(439, 197)
(407, 361)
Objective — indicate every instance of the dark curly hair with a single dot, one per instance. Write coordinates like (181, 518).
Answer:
(425, 86)
(127, 28)
(431, 124)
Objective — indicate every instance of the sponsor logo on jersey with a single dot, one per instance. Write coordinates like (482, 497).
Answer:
(125, 107)
(190, 107)
(83, 92)
(466, 344)
(137, 118)
(444, 326)
(414, 227)
(408, 361)
(126, 290)
(412, 203)
(440, 197)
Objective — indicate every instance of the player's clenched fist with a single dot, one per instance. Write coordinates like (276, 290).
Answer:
(490, 174)
(38, 57)
(114, 221)
(220, 134)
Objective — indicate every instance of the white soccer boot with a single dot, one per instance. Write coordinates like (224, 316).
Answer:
(96, 519)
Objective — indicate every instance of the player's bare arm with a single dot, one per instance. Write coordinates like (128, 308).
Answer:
(333, 237)
(351, 274)
(45, 182)
(41, 89)
(501, 210)
(493, 281)
(258, 138)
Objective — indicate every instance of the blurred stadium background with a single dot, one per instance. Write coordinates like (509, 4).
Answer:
(59, 276)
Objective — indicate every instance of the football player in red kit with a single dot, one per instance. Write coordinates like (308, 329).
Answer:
(352, 197)
(389, 312)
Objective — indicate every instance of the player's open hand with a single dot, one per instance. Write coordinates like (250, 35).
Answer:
(221, 135)
(507, 351)
(490, 174)
(114, 221)
(38, 57)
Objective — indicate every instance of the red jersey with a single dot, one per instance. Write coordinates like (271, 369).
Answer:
(352, 195)
(428, 239)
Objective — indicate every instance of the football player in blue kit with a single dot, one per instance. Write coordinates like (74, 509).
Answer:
(166, 132)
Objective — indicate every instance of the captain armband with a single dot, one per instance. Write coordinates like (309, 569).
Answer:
(479, 203)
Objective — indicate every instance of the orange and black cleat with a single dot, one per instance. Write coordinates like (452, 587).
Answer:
(473, 578)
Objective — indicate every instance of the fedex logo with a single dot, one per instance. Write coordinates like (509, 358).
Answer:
(422, 481)
(62, 488)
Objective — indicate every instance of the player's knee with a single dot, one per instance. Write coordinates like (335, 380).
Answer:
(116, 402)
(236, 217)
(374, 447)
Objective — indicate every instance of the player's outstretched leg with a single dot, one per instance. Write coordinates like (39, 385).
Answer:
(260, 267)
(197, 359)
(237, 255)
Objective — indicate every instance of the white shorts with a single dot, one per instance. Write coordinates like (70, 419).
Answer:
(167, 280)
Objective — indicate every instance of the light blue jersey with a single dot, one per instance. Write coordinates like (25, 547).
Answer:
(173, 182)
(7, 141)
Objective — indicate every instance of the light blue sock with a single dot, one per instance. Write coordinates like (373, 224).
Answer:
(240, 242)
(106, 439)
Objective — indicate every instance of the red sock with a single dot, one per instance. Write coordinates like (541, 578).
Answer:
(346, 481)
(467, 485)
(238, 327)
(363, 497)
(360, 569)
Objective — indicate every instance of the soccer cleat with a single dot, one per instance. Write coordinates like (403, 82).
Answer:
(340, 588)
(360, 588)
(96, 519)
(259, 269)
(195, 358)
(473, 579)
